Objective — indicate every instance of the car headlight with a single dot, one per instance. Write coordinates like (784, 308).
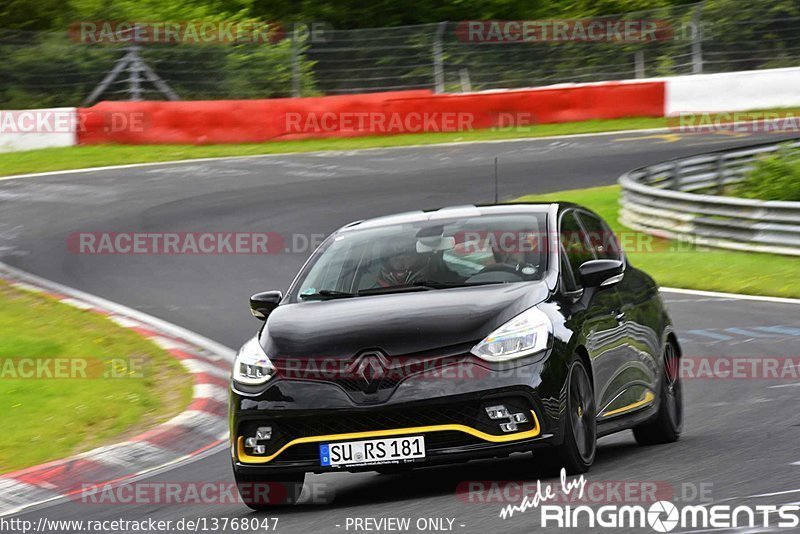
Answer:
(525, 334)
(252, 366)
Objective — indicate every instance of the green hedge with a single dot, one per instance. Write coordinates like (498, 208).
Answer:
(775, 177)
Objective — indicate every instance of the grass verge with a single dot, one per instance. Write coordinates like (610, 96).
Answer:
(57, 159)
(49, 418)
(676, 264)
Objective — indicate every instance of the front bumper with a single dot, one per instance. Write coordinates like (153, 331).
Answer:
(449, 413)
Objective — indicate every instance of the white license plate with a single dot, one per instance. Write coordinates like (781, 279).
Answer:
(375, 451)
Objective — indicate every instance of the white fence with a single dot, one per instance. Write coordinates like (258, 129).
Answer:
(30, 129)
(733, 91)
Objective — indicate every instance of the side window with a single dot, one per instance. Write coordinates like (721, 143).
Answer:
(574, 244)
(602, 240)
(567, 277)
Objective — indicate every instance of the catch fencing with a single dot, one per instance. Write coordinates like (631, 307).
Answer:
(314, 59)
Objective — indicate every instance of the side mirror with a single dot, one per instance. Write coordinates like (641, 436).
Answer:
(262, 304)
(601, 273)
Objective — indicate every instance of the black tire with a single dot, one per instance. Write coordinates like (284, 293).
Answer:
(578, 451)
(262, 493)
(666, 427)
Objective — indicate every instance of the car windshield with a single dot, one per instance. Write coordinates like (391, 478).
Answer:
(426, 255)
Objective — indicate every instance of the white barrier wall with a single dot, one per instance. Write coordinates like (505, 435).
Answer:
(734, 91)
(29, 129)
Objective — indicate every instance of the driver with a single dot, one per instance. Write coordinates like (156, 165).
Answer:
(518, 261)
(521, 259)
(401, 264)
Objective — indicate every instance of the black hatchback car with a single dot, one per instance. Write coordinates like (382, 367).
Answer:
(445, 336)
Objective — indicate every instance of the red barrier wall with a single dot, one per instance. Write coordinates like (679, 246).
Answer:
(255, 121)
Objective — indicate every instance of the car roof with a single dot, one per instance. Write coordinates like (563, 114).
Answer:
(448, 213)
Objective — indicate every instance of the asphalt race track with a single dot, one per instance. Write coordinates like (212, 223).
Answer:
(741, 437)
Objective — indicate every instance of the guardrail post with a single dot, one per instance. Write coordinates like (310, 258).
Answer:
(438, 58)
(466, 85)
(638, 60)
(296, 87)
(720, 180)
(697, 40)
(676, 175)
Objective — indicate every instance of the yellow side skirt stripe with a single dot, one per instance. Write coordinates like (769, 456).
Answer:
(246, 458)
(648, 398)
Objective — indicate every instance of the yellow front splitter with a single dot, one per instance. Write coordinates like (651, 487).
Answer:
(532, 433)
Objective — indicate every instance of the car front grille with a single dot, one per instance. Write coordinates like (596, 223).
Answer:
(351, 376)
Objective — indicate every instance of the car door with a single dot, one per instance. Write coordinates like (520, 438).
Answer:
(597, 310)
(630, 374)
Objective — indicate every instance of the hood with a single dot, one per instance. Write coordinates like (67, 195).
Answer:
(397, 324)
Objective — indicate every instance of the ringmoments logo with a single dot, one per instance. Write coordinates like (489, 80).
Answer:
(660, 516)
(663, 516)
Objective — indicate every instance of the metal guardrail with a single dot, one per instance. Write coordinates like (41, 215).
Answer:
(680, 199)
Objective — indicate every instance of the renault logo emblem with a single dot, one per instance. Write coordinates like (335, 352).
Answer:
(369, 370)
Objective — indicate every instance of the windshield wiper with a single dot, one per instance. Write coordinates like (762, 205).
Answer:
(419, 285)
(434, 284)
(328, 294)
(395, 289)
